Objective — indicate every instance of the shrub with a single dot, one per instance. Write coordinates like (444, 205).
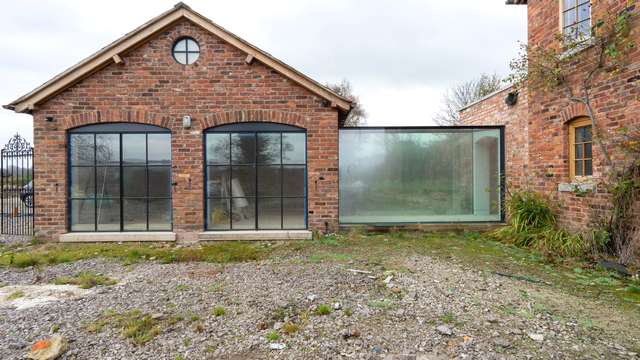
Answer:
(532, 224)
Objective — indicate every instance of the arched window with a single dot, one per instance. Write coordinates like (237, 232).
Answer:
(256, 177)
(119, 178)
(580, 148)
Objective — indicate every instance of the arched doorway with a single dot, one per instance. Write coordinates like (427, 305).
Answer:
(255, 177)
(119, 178)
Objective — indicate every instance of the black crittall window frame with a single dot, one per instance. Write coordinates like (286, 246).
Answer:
(120, 130)
(255, 130)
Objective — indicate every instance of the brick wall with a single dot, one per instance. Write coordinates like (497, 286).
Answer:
(543, 125)
(150, 87)
(495, 111)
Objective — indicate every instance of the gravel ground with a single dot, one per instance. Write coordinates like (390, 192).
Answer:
(429, 309)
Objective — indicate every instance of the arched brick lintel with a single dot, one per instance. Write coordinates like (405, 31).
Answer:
(573, 111)
(229, 117)
(110, 116)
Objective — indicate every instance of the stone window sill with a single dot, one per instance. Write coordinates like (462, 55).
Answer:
(252, 235)
(111, 237)
(576, 186)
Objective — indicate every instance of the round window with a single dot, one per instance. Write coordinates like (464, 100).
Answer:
(186, 51)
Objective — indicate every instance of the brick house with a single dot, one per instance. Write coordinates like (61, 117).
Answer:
(548, 138)
(180, 127)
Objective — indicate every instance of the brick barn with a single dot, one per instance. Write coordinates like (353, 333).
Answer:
(181, 130)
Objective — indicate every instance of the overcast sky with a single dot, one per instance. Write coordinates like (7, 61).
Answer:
(400, 55)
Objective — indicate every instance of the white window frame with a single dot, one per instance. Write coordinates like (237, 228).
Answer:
(562, 26)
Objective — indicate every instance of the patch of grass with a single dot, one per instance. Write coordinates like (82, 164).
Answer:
(194, 318)
(448, 318)
(182, 287)
(15, 295)
(634, 289)
(85, 280)
(273, 336)
(136, 326)
(347, 312)
(217, 286)
(219, 311)
(383, 304)
(323, 309)
(186, 342)
(55, 253)
(290, 328)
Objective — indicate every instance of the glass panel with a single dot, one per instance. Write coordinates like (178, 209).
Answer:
(579, 170)
(583, 134)
(218, 218)
(159, 147)
(134, 215)
(218, 181)
(569, 18)
(587, 151)
(159, 214)
(243, 182)
(82, 149)
(269, 183)
(108, 181)
(181, 45)
(419, 175)
(584, 30)
(159, 181)
(243, 212)
(268, 148)
(192, 57)
(584, 11)
(108, 213)
(134, 149)
(181, 58)
(568, 4)
(293, 181)
(294, 213)
(82, 215)
(571, 32)
(192, 45)
(269, 216)
(293, 148)
(108, 149)
(82, 182)
(134, 180)
(579, 153)
(217, 149)
(243, 148)
(588, 168)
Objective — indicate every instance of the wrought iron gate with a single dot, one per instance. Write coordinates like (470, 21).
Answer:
(17, 199)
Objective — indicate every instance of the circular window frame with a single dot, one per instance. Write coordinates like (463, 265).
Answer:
(186, 52)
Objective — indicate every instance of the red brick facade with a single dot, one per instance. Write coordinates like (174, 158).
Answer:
(537, 129)
(150, 87)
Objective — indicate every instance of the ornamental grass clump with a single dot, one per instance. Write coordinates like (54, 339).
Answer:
(532, 224)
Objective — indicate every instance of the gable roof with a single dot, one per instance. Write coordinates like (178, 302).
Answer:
(111, 54)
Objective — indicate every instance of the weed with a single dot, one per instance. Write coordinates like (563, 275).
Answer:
(218, 311)
(347, 312)
(136, 326)
(217, 286)
(179, 357)
(290, 328)
(383, 304)
(15, 295)
(194, 318)
(448, 318)
(273, 336)
(85, 280)
(323, 309)
(186, 342)
(181, 287)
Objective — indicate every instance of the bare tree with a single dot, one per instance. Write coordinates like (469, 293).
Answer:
(464, 94)
(358, 115)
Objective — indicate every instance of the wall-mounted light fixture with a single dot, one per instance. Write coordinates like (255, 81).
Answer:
(186, 122)
(50, 119)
